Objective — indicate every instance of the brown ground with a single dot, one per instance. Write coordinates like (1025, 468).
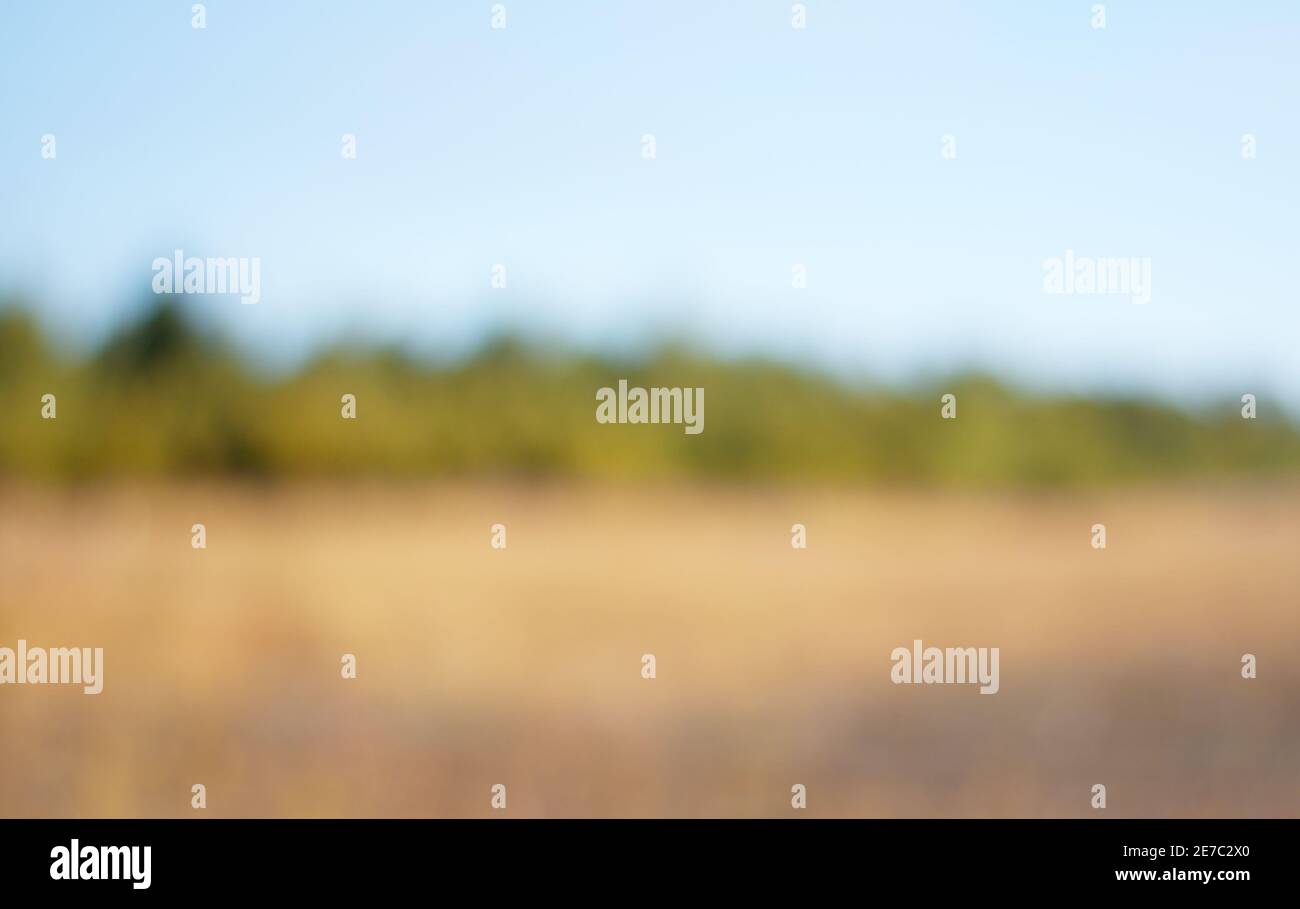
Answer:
(523, 666)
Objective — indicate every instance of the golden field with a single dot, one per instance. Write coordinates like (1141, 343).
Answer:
(522, 666)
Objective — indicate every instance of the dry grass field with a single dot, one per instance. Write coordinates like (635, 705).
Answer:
(522, 666)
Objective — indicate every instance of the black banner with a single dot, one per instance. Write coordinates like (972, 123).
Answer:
(333, 857)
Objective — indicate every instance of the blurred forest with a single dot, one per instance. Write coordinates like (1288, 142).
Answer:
(163, 398)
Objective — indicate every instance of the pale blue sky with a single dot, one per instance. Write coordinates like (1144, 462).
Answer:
(775, 147)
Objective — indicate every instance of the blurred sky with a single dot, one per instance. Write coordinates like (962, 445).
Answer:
(775, 147)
